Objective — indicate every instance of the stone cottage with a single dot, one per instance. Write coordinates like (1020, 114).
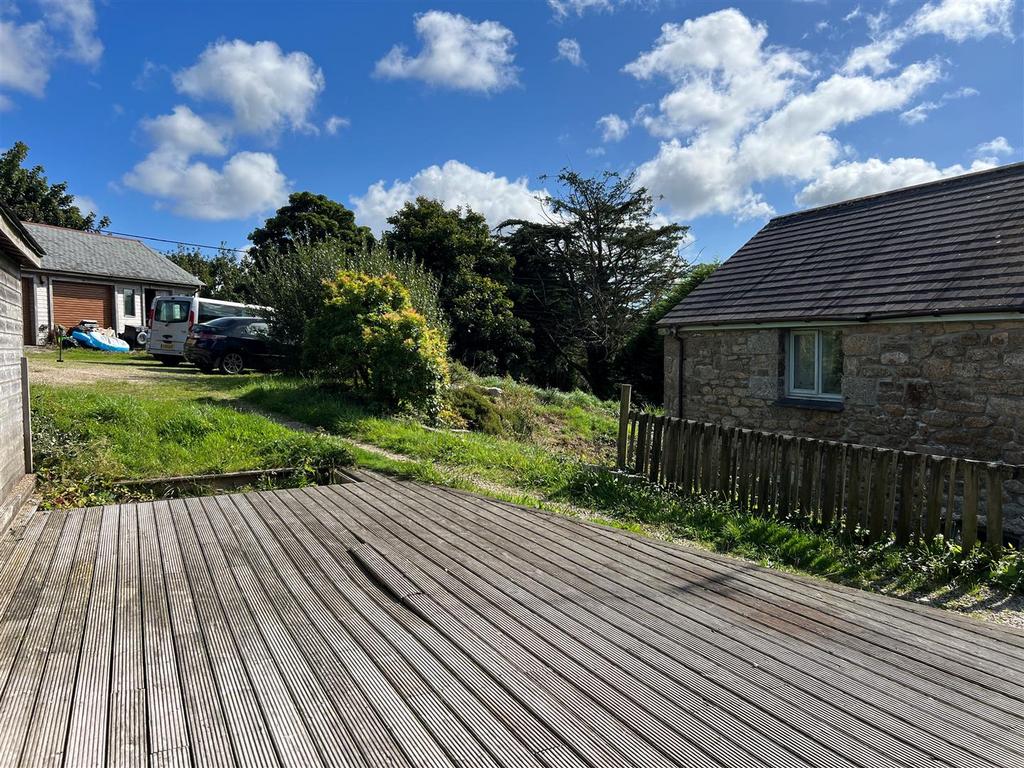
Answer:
(895, 320)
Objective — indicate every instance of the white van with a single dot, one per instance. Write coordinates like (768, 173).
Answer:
(171, 319)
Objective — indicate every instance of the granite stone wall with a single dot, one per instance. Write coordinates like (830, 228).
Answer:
(949, 388)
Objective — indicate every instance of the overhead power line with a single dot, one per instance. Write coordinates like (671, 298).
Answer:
(172, 242)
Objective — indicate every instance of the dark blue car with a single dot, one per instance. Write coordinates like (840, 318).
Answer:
(232, 345)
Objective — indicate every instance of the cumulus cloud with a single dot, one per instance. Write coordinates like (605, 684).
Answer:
(21, 66)
(722, 74)
(29, 51)
(740, 112)
(265, 88)
(569, 50)
(496, 197)
(613, 128)
(850, 180)
(247, 184)
(78, 19)
(956, 20)
(457, 53)
(335, 123)
(993, 151)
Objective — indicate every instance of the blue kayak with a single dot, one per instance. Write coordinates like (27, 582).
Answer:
(102, 341)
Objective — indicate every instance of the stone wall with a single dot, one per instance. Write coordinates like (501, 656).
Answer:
(954, 389)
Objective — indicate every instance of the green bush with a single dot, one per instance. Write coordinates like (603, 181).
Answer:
(477, 410)
(368, 333)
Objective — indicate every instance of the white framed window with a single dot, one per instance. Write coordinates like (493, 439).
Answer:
(129, 302)
(814, 363)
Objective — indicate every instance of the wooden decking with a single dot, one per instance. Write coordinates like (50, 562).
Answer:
(388, 624)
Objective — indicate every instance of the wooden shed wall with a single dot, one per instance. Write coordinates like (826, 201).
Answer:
(12, 446)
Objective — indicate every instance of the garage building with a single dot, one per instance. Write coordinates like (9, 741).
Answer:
(93, 276)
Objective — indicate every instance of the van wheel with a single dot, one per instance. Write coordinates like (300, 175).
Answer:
(232, 363)
(171, 361)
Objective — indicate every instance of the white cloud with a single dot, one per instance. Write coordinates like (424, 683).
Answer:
(457, 53)
(562, 8)
(22, 65)
(335, 123)
(960, 20)
(741, 112)
(78, 19)
(247, 184)
(613, 128)
(956, 20)
(723, 74)
(992, 151)
(265, 87)
(185, 133)
(850, 180)
(921, 112)
(29, 51)
(569, 50)
(86, 204)
(455, 183)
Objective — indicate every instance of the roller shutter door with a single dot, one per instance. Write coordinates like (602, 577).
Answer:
(73, 302)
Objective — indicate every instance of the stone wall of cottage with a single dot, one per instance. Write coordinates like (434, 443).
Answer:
(954, 389)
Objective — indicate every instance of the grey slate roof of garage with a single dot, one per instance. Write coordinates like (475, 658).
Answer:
(948, 247)
(93, 254)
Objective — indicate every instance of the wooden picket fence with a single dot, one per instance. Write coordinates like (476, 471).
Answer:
(851, 489)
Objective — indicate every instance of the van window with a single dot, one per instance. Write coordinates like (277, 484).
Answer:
(209, 311)
(172, 310)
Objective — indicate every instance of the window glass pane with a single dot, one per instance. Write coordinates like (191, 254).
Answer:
(172, 311)
(831, 362)
(803, 361)
(129, 302)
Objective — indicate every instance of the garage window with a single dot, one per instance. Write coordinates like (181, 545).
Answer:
(815, 364)
(129, 302)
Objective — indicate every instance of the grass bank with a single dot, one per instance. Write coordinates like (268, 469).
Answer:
(86, 440)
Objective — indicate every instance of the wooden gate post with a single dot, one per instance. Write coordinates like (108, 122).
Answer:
(625, 396)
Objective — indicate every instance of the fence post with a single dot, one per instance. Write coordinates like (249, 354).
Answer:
(26, 416)
(625, 395)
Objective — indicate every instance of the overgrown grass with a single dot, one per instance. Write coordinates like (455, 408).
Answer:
(182, 424)
(721, 527)
(86, 440)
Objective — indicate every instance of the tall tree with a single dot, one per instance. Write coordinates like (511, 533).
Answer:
(642, 360)
(31, 196)
(223, 276)
(594, 268)
(309, 218)
(475, 272)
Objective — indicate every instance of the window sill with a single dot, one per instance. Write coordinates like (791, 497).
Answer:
(810, 403)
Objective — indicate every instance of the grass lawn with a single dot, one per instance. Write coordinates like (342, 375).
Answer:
(147, 420)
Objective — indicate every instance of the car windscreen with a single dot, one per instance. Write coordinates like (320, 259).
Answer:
(209, 311)
(172, 310)
(224, 323)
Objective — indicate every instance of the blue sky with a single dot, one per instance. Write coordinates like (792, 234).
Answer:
(193, 120)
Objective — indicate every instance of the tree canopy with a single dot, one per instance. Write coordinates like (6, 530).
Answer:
(310, 218)
(475, 273)
(590, 273)
(224, 276)
(30, 195)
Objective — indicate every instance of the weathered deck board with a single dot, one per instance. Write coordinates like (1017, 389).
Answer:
(393, 624)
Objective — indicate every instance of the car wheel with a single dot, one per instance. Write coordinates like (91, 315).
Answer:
(171, 361)
(232, 363)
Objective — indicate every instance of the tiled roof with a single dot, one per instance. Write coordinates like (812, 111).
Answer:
(949, 247)
(91, 253)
